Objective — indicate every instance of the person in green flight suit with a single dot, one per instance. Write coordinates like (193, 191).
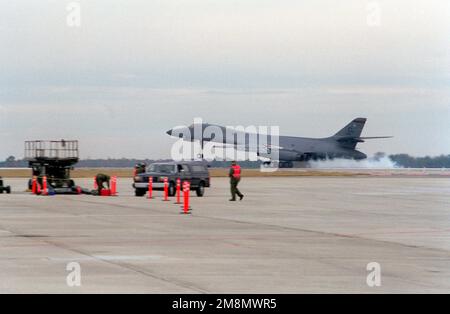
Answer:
(101, 179)
(235, 178)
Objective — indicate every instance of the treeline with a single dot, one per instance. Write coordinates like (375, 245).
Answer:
(401, 160)
(407, 161)
(11, 162)
(86, 163)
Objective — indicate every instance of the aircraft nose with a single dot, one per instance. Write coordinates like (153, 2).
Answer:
(169, 132)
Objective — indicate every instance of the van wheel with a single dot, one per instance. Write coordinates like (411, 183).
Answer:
(8, 190)
(139, 192)
(201, 189)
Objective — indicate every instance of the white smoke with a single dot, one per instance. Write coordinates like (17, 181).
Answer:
(369, 163)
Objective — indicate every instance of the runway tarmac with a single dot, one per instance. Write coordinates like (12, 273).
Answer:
(289, 235)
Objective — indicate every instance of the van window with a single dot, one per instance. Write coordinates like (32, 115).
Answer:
(183, 168)
(163, 168)
(197, 168)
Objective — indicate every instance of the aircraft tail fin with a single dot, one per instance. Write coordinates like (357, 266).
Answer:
(350, 135)
(353, 129)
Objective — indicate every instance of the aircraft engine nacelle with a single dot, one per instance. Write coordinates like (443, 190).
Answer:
(289, 155)
(282, 154)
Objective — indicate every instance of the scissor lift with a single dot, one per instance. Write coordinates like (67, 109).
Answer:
(54, 160)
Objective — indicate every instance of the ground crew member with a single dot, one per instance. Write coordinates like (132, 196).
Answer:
(3, 188)
(101, 179)
(235, 177)
(139, 168)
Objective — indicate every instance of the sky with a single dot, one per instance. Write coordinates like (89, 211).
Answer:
(124, 72)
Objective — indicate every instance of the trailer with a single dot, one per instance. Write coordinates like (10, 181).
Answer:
(53, 160)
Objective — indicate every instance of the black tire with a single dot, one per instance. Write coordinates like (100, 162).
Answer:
(8, 190)
(139, 192)
(172, 189)
(200, 189)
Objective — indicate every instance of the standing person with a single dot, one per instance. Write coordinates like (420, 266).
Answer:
(101, 179)
(235, 177)
(139, 168)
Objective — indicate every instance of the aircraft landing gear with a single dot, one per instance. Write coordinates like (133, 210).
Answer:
(286, 164)
(278, 164)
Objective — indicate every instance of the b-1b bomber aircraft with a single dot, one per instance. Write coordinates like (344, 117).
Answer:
(289, 149)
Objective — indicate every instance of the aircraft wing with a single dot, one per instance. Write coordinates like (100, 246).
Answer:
(247, 147)
(360, 139)
(235, 146)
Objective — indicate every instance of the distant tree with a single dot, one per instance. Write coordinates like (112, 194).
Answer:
(11, 159)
